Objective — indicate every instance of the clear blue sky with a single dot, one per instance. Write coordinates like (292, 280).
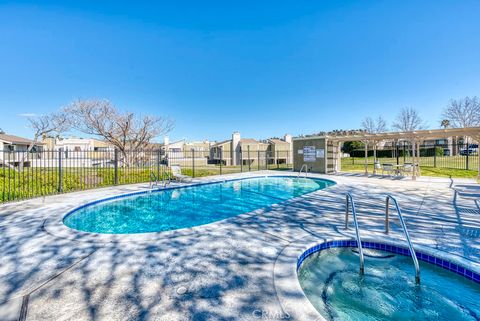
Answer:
(264, 68)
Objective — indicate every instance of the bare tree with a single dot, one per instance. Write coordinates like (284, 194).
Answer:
(408, 120)
(373, 126)
(2, 131)
(124, 130)
(45, 125)
(463, 112)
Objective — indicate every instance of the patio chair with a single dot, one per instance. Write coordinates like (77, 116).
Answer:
(388, 168)
(177, 174)
(377, 166)
(407, 168)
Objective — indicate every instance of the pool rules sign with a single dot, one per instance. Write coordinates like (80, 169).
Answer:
(309, 154)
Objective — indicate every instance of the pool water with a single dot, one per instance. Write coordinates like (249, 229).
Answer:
(189, 206)
(387, 291)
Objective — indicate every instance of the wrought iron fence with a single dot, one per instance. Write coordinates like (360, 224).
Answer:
(454, 156)
(40, 173)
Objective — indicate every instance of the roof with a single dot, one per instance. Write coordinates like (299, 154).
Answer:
(12, 139)
(221, 143)
(277, 141)
(171, 143)
(416, 134)
(249, 141)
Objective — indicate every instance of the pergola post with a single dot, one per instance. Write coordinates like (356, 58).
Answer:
(477, 140)
(478, 175)
(418, 159)
(374, 157)
(414, 160)
(366, 158)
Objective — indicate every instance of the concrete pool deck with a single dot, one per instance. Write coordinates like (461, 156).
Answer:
(220, 271)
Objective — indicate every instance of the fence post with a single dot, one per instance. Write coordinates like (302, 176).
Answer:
(467, 151)
(158, 164)
(276, 159)
(221, 161)
(258, 159)
(435, 154)
(266, 160)
(115, 166)
(397, 152)
(193, 163)
(248, 156)
(60, 174)
(241, 160)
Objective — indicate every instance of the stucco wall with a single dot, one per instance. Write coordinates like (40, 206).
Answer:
(298, 143)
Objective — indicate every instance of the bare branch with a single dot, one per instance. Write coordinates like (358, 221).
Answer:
(372, 126)
(44, 125)
(463, 113)
(125, 131)
(408, 120)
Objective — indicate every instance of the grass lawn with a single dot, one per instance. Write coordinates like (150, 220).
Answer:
(211, 170)
(34, 182)
(457, 162)
(424, 170)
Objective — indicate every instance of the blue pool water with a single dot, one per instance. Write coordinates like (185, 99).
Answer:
(387, 291)
(190, 206)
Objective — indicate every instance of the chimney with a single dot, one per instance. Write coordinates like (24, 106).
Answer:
(236, 148)
(288, 139)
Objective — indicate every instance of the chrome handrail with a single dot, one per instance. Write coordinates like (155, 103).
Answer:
(300, 171)
(153, 180)
(349, 200)
(405, 231)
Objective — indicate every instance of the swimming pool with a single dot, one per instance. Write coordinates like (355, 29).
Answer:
(331, 281)
(177, 208)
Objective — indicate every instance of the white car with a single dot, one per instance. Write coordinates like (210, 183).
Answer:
(471, 150)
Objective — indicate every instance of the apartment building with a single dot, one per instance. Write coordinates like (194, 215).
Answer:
(248, 151)
(13, 150)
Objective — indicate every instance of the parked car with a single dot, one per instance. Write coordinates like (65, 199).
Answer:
(471, 150)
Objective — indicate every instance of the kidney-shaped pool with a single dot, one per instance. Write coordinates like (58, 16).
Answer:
(177, 208)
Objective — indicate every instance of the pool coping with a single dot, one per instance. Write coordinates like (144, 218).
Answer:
(54, 223)
(290, 294)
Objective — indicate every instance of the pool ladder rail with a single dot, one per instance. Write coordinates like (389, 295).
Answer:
(349, 201)
(405, 231)
(155, 181)
(301, 169)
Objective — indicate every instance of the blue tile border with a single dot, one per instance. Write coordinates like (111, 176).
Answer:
(444, 264)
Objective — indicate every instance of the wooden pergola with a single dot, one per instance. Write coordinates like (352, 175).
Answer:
(414, 137)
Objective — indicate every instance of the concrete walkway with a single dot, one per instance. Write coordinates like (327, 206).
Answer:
(220, 271)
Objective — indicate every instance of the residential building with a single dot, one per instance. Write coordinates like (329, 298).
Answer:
(280, 150)
(13, 150)
(185, 153)
(75, 144)
(247, 151)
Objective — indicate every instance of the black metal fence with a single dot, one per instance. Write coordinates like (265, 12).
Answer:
(454, 156)
(25, 175)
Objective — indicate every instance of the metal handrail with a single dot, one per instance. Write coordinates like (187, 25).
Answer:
(153, 180)
(405, 231)
(349, 200)
(300, 171)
